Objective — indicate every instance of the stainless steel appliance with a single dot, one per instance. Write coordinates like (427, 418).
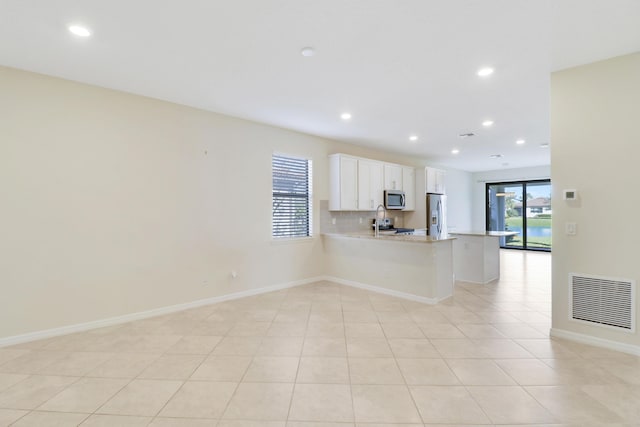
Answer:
(436, 214)
(394, 199)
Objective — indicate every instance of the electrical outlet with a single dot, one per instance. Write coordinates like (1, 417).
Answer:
(360, 220)
(333, 221)
(234, 274)
(570, 228)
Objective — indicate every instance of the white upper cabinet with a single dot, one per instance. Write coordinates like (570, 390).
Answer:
(358, 184)
(397, 177)
(435, 180)
(343, 183)
(392, 177)
(409, 187)
(370, 184)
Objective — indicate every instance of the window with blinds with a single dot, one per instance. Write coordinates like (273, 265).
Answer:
(291, 197)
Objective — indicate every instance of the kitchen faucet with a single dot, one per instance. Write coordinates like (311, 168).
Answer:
(377, 220)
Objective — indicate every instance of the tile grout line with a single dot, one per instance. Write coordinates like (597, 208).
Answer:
(137, 377)
(404, 379)
(61, 390)
(295, 380)
(346, 348)
(235, 390)
(153, 417)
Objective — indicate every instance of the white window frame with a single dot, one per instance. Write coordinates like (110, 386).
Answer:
(309, 198)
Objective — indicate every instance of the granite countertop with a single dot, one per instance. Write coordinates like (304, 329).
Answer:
(391, 237)
(485, 233)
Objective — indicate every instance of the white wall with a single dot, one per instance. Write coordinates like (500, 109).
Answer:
(479, 179)
(595, 149)
(115, 204)
(459, 199)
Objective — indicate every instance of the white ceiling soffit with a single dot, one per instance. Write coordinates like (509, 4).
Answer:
(400, 68)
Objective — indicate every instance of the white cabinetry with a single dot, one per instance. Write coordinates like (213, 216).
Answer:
(358, 184)
(343, 178)
(392, 177)
(409, 187)
(370, 184)
(434, 181)
(397, 177)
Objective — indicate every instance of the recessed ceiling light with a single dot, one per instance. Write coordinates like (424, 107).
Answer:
(487, 123)
(486, 71)
(455, 151)
(467, 135)
(495, 156)
(79, 31)
(520, 141)
(544, 145)
(345, 116)
(308, 51)
(413, 138)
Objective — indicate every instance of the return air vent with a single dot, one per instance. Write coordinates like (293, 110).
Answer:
(603, 301)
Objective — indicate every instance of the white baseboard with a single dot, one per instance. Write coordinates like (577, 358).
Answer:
(598, 342)
(81, 327)
(384, 291)
(471, 282)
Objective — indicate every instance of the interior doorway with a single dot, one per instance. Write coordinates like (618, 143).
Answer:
(523, 207)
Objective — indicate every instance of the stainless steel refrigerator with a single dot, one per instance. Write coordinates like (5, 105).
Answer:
(436, 214)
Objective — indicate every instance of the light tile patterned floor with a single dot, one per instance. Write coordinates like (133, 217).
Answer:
(327, 355)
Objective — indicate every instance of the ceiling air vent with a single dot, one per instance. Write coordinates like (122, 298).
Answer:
(603, 301)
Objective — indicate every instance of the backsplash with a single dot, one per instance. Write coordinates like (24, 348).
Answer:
(349, 222)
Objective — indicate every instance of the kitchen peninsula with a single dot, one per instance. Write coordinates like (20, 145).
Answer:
(416, 267)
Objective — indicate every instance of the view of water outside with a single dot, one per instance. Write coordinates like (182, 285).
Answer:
(516, 205)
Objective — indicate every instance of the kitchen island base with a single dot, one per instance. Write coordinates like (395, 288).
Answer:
(416, 269)
(476, 255)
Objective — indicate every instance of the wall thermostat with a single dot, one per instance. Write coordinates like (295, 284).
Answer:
(570, 194)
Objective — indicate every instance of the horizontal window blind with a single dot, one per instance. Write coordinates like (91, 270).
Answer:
(291, 197)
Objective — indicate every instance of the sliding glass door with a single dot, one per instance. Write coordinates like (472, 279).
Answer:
(502, 214)
(523, 207)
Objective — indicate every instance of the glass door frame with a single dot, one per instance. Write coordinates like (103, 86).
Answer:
(487, 213)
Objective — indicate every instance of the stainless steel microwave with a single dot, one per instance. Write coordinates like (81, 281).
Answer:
(394, 199)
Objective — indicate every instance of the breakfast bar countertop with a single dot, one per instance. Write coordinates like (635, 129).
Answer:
(391, 237)
(485, 233)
